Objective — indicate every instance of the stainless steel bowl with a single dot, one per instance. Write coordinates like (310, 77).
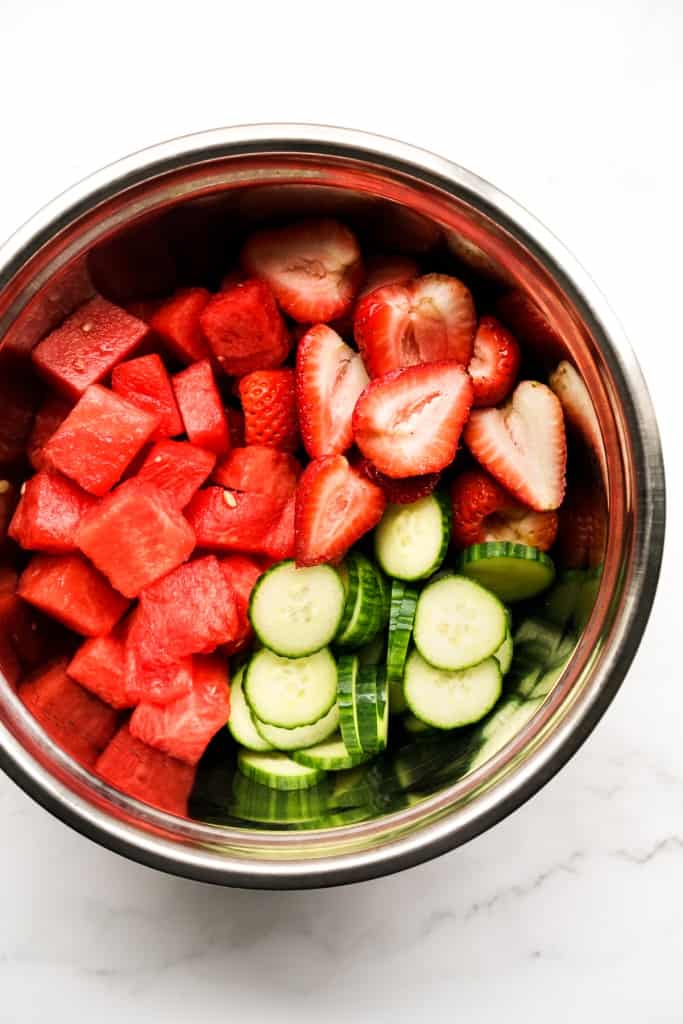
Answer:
(194, 193)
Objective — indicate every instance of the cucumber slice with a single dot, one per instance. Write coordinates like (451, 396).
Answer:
(411, 541)
(252, 801)
(401, 619)
(373, 653)
(414, 725)
(367, 714)
(303, 736)
(290, 692)
(512, 571)
(504, 726)
(277, 770)
(347, 679)
(331, 756)
(458, 623)
(504, 653)
(382, 709)
(447, 700)
(385, 590)
(296, 612)
(240, 723)
(364, 605)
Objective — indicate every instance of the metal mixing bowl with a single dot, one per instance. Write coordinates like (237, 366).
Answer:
(193, 195)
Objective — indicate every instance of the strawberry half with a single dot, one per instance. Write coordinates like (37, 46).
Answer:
(409, 422)
(400, 492)
(269, 404)
(430, 319)
(523, 445)
(329, 378)
(494, 364)
(335, 506)
(484, 511)
(578, 408)
(313, 267)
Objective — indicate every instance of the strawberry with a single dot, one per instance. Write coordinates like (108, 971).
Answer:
(329, 378)
(408, 422)
(335, 506)
(523, 445)
(577, 406)
(484, 511)
(400, 492)
(244, 328)
(314, 267)
(429, 319)
(383, 270)
(269, 403)
(494, 364)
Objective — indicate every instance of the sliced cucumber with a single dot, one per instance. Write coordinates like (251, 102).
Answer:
(414, 725)
(382, 709)
(331, 756)
(512, 571)
(373, 653)
(504, 726)
(296, 612)
(240, 723)
(447, 700)
(458, 623)
(411, 541)
(347, 680)
(504, 653)
(303, 736)
(367, 714)
(363, 611)
(401, 619)
(277, 770)
(290, 692)
(385, 589)
(252, 801)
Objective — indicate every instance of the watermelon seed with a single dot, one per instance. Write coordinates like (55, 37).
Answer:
(229, 499)
(87, 326)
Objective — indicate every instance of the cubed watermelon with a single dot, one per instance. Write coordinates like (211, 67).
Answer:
(185, 727)
(88, 346)
(99, 666)
(78, 721)
(177, 468)
(236, 428)
(230, 520)
(241, 573)
(146, 774)
(50, 415)
(278, 542)
(17, 409)
(145, 383)
(48, 514)
(245, 328)
(134, 536)
(101, 435)
(201, 407)
(176, 321)
(70, 590)
(259, 470)
(9, 498)
(149, 675)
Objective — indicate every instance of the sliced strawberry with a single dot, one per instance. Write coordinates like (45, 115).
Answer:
(400, 492)
(329, 378)
(578, 408)
(408, 422)
(314, 268)
(383, 270)
(245, 329)
(484, 511)
(430, 319)
(523, 445)
(495, 363)
(269, 402)
(256, 469)
(335, 506)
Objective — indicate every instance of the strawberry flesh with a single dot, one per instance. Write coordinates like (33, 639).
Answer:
(484, 511)
(494, 364)
(400, 492)
(329, 378)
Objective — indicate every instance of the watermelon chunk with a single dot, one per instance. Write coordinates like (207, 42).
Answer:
(87, 346)
(241, 573)
(259, 470)
(185, 727)
(230, 520)
(9, 496)
(17, 409)
(148, 675)
(146, 774)
(176, 321)
(51, 415)
(245, 328)
(145, 383)
(278, 542)
(70, 590)
(99, 438)
(78, 721)
(99, 666)
(201, 407)
(134, 536)
(48, 514)
(177, 468)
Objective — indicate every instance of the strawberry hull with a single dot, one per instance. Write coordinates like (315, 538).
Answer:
(146, 774)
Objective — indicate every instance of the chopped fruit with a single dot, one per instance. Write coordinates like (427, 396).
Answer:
(483, 511)
(385, 270)
(314, 268)
(523, 445)
(269, 402)
(231, 520)
(71, 591)
(201, 407)
(9, 496)
(17, 409)
(329, 378)
(257, 469)
(232, 278)
(75, 719)
(236, 427)
(146, 384)
(21, 629)
(245, 329)
(178, 469)
(335, 506)
(143, 309)
(134, 536)
(578, 407)
(428, 320)
(409, 422)
(528, 323)
(184, 728)
(241, 573)
(146, 774)
(495, 363)
(150, 678)
(99, 438)
(400, 492)
(279, 541)
(88, 346)
(176, 321)
(99, 666)
(582, 535)
(51, 415)
(48, 514)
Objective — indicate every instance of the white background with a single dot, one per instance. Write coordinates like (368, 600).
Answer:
(570, 909)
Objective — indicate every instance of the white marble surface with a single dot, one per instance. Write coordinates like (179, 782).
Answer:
(570, 909)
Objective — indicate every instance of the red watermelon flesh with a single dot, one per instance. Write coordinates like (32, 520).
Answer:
(99, 666)
(145, 383)
(185, 727)
(76, 720)
(259, 470)
(134, 536)
(242, 573)
(87, 346)
(245, 329)
(48, 514)
(9, 496)
(51, 415)
(147, 677)
(176, 321)
(146, 774)
(178, 469)
(278, 542)
(231, 521)
(70, 590)
(98, 439)
(201, 407)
